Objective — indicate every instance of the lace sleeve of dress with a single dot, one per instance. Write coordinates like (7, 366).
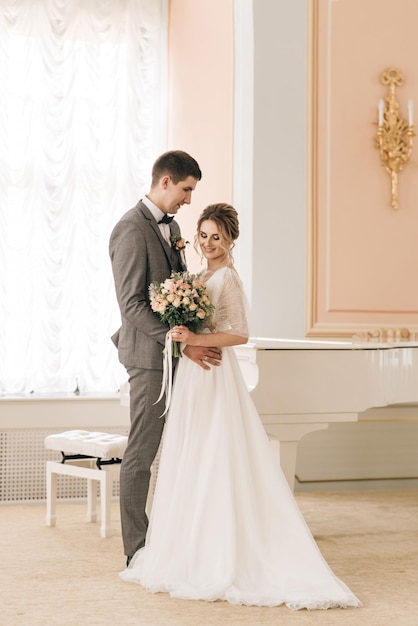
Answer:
(232, 308)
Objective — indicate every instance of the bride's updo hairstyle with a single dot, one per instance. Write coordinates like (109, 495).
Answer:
(226, 219)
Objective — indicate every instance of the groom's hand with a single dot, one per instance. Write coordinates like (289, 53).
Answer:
(203, 356)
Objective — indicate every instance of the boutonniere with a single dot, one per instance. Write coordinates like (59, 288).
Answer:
(179, 243)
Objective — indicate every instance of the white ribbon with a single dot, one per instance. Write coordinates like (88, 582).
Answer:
(167, 382)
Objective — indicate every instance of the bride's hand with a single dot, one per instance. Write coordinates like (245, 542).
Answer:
(202, 356)
(183, 335)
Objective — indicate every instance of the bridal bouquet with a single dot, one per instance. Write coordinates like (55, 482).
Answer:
(181, 299)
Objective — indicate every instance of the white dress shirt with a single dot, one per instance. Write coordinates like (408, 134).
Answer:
(158, 214)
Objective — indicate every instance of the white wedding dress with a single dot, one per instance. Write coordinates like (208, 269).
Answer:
(224, 523)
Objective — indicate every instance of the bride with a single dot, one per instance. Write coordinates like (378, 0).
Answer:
(224, 522)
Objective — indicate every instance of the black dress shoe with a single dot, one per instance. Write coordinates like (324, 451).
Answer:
(129, 558)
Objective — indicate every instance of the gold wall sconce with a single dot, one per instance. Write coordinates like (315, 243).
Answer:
(394, 135)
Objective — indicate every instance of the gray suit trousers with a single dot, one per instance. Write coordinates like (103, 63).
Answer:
(143, 442)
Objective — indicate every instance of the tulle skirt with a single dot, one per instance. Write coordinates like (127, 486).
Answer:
(224, 522)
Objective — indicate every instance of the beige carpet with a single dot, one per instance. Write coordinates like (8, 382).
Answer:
(68, 574)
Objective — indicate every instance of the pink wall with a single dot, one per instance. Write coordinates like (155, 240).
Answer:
(200, 110)
(364, 253)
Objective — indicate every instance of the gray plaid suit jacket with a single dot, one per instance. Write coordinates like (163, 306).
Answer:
(140, 255)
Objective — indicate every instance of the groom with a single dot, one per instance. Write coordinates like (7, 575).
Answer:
(141, 252)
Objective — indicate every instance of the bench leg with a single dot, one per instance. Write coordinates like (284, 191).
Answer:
(91, 500)
(51, 495)
(106, 488)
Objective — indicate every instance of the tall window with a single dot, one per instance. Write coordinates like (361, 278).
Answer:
(80, 123)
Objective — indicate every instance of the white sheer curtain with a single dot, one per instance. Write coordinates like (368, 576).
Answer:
(81, 87)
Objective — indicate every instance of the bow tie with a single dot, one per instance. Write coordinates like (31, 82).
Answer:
(166, 219)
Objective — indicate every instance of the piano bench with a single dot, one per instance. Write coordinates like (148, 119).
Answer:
(94, 456)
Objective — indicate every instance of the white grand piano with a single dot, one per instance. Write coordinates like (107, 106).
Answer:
(300, 386)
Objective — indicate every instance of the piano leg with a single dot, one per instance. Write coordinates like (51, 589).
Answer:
(285, 439)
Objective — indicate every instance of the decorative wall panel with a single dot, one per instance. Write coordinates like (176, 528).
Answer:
(363, 254)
